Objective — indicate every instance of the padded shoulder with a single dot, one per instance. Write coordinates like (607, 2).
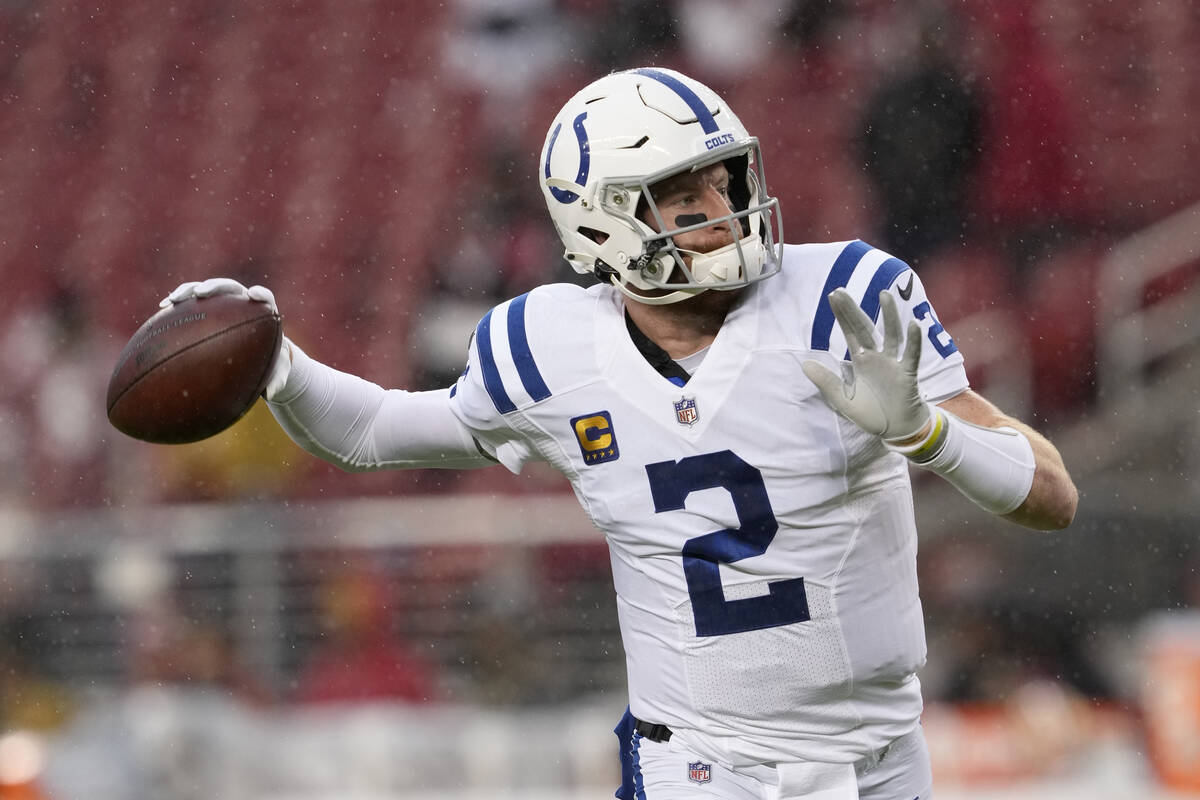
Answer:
(802, 309)
(528, 348)
(812, 271)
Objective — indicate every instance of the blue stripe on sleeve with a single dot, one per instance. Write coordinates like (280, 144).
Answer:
(839, 276)
(698, 106)
(531, 378)
(888, 271)
(487, 361)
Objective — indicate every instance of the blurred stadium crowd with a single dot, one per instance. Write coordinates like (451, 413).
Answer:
(374, 164)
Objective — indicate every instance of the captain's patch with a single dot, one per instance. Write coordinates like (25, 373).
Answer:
(597, 440)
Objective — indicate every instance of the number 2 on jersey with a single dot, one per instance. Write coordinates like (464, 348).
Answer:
(670, 484)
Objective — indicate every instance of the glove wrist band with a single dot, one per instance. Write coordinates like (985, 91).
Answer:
(931, 445)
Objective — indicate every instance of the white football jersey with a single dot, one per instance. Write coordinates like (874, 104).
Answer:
(763, 548)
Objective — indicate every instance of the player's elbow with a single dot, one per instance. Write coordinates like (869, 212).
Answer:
(1063, 502)
(1052, 509)
(1068, 505)
(1061, 515)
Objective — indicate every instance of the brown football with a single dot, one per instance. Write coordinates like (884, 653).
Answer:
(193, 370)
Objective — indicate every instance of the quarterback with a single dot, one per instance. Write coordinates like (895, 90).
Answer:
(737, 415)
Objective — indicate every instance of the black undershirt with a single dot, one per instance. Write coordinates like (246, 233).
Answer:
(655, 355)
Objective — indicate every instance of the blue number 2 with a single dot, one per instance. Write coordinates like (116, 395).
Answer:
(936, 330)
(670, 484)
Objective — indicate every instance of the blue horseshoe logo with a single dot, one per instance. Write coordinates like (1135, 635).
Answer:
(585, 159)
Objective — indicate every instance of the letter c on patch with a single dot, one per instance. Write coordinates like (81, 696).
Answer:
(597, 440)
(593, 432)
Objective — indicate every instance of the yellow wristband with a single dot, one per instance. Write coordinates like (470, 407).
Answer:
(928, 448)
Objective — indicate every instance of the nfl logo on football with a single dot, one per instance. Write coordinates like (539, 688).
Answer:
(699, 772)
(685, 411)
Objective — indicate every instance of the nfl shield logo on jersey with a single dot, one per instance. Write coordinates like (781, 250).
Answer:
(699, 772)
(685, 411)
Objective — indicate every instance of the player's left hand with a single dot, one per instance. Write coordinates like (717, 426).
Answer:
(879, 389)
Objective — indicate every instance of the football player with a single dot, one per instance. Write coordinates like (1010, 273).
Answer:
(738, 416)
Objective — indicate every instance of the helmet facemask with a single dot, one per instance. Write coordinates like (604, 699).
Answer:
(660, 272)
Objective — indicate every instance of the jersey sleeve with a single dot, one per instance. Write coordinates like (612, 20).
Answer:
(942, 372)
(501, 376)
(360, 426)
(865, 271)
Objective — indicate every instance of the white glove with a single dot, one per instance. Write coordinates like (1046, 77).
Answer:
(260, 294)
(879, 390)
(213, 286)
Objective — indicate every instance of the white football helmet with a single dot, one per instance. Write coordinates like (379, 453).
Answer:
(627, 131)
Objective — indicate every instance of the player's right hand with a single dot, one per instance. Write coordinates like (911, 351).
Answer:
(282, 365)
(208, 288)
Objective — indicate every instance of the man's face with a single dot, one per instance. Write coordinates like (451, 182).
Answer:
(691, 198)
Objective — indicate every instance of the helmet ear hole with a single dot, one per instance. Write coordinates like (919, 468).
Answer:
(599, 237)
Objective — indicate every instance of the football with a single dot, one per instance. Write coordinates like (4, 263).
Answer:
(194, 369)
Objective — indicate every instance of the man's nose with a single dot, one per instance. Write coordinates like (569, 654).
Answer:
(716, 206)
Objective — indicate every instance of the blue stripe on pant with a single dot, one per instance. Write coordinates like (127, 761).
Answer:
(629, 740)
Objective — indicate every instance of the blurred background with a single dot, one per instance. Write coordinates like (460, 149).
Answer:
(235, 619)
